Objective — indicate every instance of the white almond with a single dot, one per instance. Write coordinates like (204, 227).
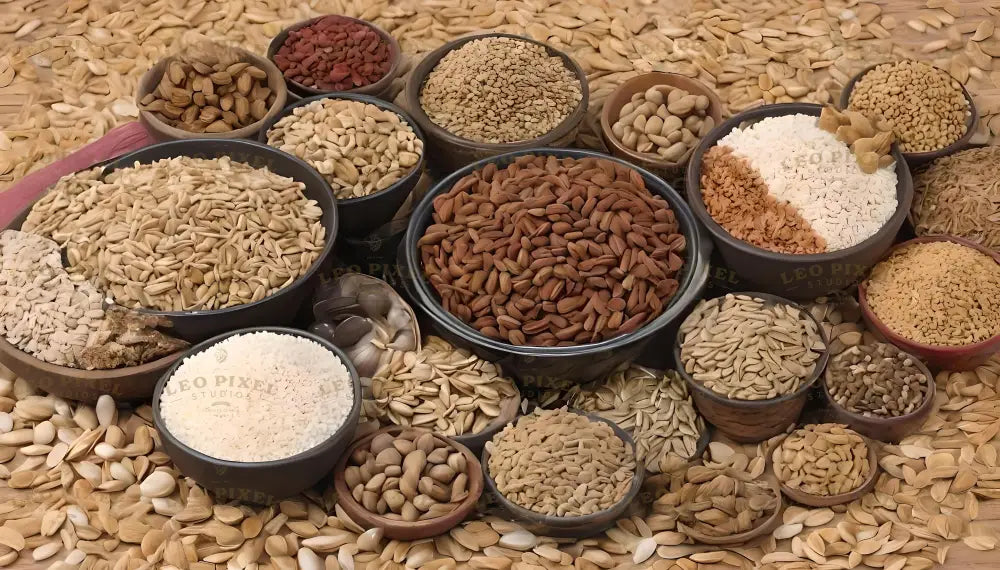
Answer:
(519, 540)
(644, 550)
(45, 551)
(158, 484)
(787, 531)
(105, 409)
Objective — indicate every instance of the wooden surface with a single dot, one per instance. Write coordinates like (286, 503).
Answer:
(13, 99)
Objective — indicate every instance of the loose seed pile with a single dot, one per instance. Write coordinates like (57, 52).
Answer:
(443, 388)
(334, 54)
(411, 476)
(664, 120)
(500, 90)
(359, 148)
(210, 98)
(553, 252)
(183, 233)
(822, 459)
(876, 380)
(61, 320)
(653, 407)
(926, 107)
(959, 195)
(870, 141)
(809, 169)
(284, 372)
(559, 463)
(940, 293)
(720, 498)
(747, 348)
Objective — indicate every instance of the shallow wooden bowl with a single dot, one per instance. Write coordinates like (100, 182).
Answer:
(402, 530)
(765, 527)
(829, 501)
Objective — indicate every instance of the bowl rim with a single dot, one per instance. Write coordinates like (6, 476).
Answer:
(475, 474)
(811, 500)
(693, 275)
(118, 374)
(803, 390)
(415, 171)
(911, 346)
(319, 449)
(763, 528)
(415, 84)
(395, 56)
(664, 77)
(126, 161)
(280, 98)
(904, 182)
(970, 121)
(892, 421)
(521, 513)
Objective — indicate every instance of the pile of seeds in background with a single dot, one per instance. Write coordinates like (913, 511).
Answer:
(286, 372)
(334, 54)
(561, 288)
(718, 499)
(359, 148)
(809, 169)
(541, 464)
(941, 293)
(822, 460)
(664, 120)
(61, 320)
(926, 107)
(870, 140)
(207, 242)
(653, 407)
(959, 195)
(410, 476)
(202, 98)
(500, 90)
(443, 388)
(876, 380)
(747, 348)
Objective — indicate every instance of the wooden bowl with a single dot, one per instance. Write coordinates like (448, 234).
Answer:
(639, 84)
(124, 384)
(567, 527)
(750, 421)
(378, 89)
(915, 159)
(509, 409)
(452, 151)
(889, 429)
(810, 500)
(402, 530)
(162, 131)
(261, 482)
(965, 357)
(763, 528)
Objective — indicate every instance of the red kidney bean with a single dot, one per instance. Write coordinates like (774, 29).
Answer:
(334, 54)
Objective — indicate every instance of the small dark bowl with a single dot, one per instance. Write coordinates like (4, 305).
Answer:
(915, 159)
(451, 151)
(360, 216)
(765, 527)
(538, 366)
(750, 421)
(889, 429)
(377, 89)
(810, 500)
(640, 84)
(165, 132)
(794, 276)
(965, 357)
(402, 530)
(261, 482)
(568, 527)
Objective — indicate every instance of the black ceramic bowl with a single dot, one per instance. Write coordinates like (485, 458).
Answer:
(360, 216)
(567, 527)
(788, 275)
(267, 481)
(915, 159)
(538, 366)
(276, 309)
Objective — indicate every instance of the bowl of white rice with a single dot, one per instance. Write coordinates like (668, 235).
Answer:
(258, 414)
